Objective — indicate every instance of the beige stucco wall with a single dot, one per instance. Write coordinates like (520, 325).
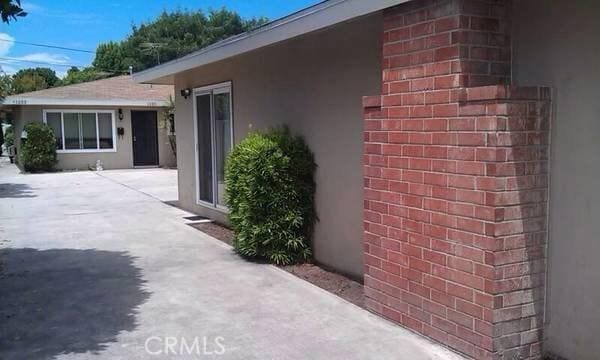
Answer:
(556, 44)
(313, 84)
(121, 159)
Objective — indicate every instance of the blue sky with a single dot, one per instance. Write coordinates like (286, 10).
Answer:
(83, 24)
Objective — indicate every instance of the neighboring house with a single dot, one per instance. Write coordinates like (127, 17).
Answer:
(440, 187)
(114, 120)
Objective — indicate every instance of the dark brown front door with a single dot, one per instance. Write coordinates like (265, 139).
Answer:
(144, 131)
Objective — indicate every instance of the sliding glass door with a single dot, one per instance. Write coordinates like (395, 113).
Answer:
(213, 132)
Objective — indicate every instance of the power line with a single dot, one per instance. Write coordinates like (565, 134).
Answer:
(48, 46)
(9, 61)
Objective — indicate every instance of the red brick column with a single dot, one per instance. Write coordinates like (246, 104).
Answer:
(456, 182)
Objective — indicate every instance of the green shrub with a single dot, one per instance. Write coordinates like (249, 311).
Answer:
(9, 136)
(270, 194)
(38, 152)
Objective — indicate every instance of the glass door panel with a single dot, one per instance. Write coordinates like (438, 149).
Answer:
(204, 137)
(222, 141)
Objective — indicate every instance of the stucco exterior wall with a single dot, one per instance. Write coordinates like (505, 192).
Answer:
(314, 84)
(121, 159)
(556, 44)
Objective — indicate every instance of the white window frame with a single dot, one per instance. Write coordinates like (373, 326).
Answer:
(220, 88)
(84, 111)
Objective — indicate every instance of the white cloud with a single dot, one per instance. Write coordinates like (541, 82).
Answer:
(10, 64)
(7, 69)
(6, 43)
(15, 63)
(44, 58)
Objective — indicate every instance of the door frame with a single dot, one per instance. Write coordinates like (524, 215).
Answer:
(204, 90)
(133, 142)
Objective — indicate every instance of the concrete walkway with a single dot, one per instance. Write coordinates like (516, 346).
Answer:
(94, 269)
(158, 183)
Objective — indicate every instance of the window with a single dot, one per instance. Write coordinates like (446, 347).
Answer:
(82, 130)
(55, 122)
(213, 132)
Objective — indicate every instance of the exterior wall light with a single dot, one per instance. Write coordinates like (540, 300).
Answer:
(186, 92)
(120, 114)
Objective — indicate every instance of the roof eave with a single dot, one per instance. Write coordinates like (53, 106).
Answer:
(32, 101)
(322, 16)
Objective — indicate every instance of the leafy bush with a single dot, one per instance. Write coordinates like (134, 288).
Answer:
(270, 194)
(9, 136)
(38, 153)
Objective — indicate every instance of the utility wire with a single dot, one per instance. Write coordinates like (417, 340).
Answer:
(10, 61)
(48, 46)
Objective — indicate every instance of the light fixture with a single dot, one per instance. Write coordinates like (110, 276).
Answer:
(120, 111)
(186, 92)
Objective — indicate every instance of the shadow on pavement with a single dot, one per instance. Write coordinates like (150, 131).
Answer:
(64, 301)
(11, 190)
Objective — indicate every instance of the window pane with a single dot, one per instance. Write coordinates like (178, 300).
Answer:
(88, 130)
(53, 120)
(222, 140)
(105, 131)
(71, 122)
(205, 174)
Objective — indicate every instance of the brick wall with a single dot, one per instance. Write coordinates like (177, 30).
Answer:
(456, 182)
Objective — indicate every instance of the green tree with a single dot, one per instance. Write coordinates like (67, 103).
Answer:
(171, 35)
(110, 57)
(5, 86)
(33, 79)
(9, 136)
(75, 76)
(11, 10)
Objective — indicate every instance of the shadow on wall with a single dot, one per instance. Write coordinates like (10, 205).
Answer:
(64, 301)
(11, 190)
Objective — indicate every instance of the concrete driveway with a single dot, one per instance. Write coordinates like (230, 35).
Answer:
(95, 269)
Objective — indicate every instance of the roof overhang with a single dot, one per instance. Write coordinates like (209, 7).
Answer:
(32, 101)
(320, 16)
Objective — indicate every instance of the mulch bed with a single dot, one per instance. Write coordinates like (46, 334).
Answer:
(217, 231)
(336, 284)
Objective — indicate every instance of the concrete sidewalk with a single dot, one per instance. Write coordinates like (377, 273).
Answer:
(156, 182)
(97, 270)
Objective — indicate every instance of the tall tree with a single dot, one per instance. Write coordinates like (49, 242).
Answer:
(75, 75)
(5, 86)
(171, 35)
(33, 79)
(110, 56)
(11, 10)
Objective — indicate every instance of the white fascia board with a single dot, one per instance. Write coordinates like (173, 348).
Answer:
(311, 19)
(25, 101)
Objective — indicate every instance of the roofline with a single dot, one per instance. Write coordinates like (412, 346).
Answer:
(30, 101)
(28, 93)
(311, 19)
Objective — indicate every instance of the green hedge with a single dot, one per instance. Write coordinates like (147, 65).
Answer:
(38, 151)
(9, 136)
(270, 193)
